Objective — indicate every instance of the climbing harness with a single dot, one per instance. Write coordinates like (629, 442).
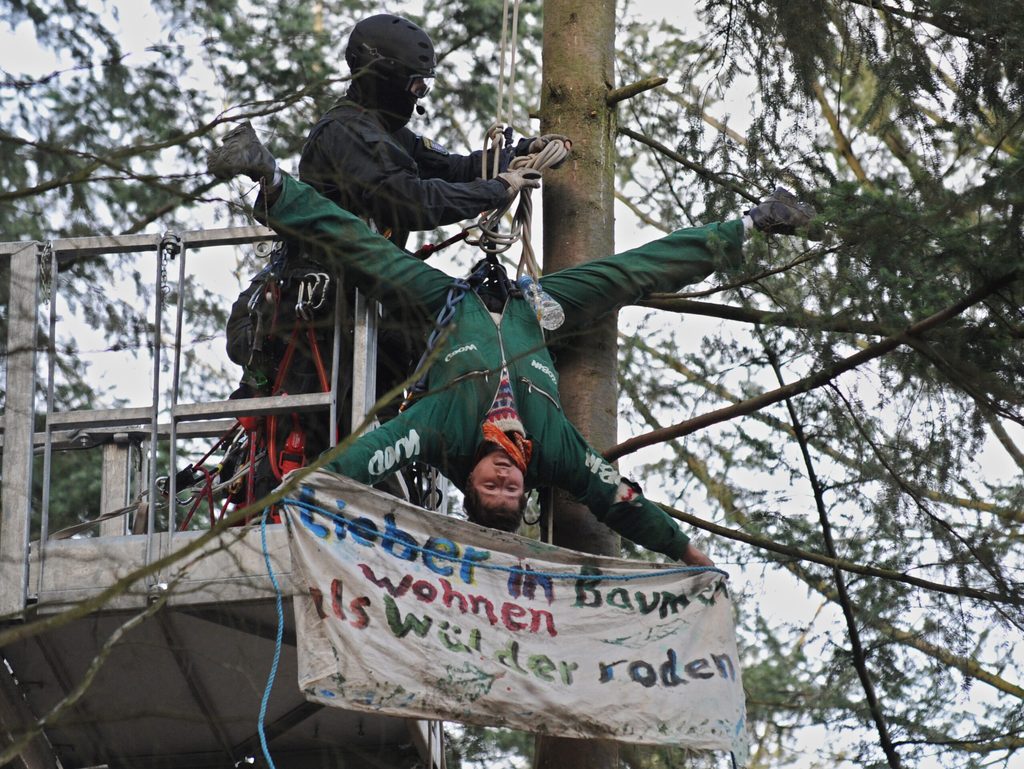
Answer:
(254, 460)
(487, 272)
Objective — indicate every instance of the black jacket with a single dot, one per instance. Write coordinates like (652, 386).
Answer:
(400, 181)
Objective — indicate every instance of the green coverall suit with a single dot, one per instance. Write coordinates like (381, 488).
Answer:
(443, 428)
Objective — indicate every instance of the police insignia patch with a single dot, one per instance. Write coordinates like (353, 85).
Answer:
(433, 146)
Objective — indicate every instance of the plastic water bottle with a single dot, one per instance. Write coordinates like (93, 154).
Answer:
(550, 314)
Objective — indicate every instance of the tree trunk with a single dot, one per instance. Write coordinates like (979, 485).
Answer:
(579, 50)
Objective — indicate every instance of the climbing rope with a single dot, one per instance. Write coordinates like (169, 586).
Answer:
(497, 135)
(491, 239)
(278, 641)
(511, 48)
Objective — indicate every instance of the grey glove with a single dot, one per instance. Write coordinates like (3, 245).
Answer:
(519, 179)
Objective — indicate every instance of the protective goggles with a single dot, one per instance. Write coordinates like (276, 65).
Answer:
(417, 83)
(419, 86)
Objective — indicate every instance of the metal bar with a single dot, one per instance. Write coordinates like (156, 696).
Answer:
(83, 439)
(335, 364)
(278, 404)
(430, 744)
(71, 420)
(364, 358)
(51, 370)
(172, 494)
(16, 484)
(99, 419)
(99, 245)
(154, 433)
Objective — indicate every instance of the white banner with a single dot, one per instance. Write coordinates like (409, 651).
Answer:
(409, 613)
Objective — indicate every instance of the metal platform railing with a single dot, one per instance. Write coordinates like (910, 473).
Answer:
(34, 294)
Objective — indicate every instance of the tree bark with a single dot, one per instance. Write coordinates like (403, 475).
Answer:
(578, 51)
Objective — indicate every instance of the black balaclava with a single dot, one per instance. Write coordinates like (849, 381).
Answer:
(388, 98)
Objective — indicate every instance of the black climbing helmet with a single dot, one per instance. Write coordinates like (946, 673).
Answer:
(396, 48)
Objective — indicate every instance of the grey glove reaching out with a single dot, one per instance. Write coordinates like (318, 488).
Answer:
(519, 179)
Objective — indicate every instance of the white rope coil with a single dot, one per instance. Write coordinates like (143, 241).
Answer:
(492, 240)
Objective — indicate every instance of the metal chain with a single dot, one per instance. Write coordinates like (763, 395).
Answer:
(170, 247)
(456, 292)
(45, 258)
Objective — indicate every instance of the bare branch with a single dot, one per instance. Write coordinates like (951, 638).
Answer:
(842, 594)
(697, 168)
(839, 563)
(622, 93)
(814, 381)
(1010, 515)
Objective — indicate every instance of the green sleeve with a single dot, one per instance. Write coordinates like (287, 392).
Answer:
(568, 462)
(592, 289)
(341, 241)
(385, 450)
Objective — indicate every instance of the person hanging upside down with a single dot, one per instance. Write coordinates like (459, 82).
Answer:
(490, 418)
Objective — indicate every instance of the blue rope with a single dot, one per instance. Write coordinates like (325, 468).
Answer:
(277, 643)
(456, 292)
(497, 567)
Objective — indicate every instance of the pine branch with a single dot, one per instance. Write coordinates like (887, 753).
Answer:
(710, 119)
(800, 554)
(696, 168)
(114, 158)
(666, 174)
(969, 667)
(721, 493)
(813, 381)
(853, 632)
(966, 381)
(1007, 443)
(625, 92)
(640, 214)
(1009, 515)
(1012, 741)
(990, 568)
(841, 324)
(966, 377)
(944, 21)
(833, 562)
(842, 143)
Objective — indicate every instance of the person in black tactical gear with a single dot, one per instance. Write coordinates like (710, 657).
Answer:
(362, 155)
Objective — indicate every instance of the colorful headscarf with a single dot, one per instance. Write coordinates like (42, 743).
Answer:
(503, 426)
